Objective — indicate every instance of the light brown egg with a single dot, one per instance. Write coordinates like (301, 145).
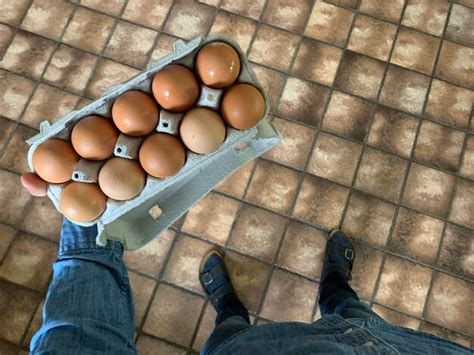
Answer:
(82, 202)
(217, 64)
(242, 106)
(54, 160)
(94, 137)
(135, 113)
(121, 179)
(202, 130)
(175, 88)
(162, 155)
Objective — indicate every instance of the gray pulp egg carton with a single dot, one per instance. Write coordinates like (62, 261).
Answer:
(137, 221)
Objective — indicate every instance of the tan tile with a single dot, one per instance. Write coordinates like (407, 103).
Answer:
(214, 3)
(150, 258)
(249, 278)
(148, 13)
(303, 101)
(426, 15)
(320, 202)
(7, 233)
(287, 14)
(83, 102)
(345, 3)
(446, 333)
(467, 167)
(12, 12)
(7, 348)
(13, 198)
(236, 183)
(142, 288)
(110, 7)
(460, 25)
(348, 116)
(273, 47)
(334, 158)
(40, 108)
(14, 94)
(15, 155)
(449, 103)
(88, 30)
(428, 190)
(35, 324)
(396, 318)
(462, 211)
(372, 37)
(257, 232)
(329, 23)
(205, 327)
(388, 11)
(238, 28)
(368, 219)
(18, 305)
(6, 35)
(163, 47)
(272, 186)
(469, 3)
(417, 236)
(317, 61)
(303, 249)
(449, 302)
(6, 129)
(150, 346)
(247, 8)
(455, 64)
(43, 219)
(70, 68)
(289, 298)
(173, 315)
(404, 285)
(272, 82)
(366, 270)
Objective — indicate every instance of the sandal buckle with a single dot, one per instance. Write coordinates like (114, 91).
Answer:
(207, 278)
(349, 254)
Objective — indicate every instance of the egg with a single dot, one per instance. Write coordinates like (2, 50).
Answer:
(94, 137)
(217, 64)
(202, 130)
(135, 113)
(121, 179)
(54, 160)
(82, 202)
(175, 88)
(162, 155)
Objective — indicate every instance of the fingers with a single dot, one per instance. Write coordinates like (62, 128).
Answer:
(33, 184)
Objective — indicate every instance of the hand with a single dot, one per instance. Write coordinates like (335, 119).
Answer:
(34, 184)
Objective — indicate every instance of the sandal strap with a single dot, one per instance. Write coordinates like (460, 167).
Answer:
(221, 292)
(331, 268)
(207, 278)
(347, 253)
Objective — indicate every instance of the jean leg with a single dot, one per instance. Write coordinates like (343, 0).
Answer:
(223, 331)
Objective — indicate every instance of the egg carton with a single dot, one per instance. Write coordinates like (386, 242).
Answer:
(137, 221)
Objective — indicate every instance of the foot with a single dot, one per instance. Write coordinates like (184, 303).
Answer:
(339, 256)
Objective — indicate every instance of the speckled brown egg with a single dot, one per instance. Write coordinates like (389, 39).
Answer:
(94, 137)
(202, 130)
(217, 64)
(121, 179)
(242, 106)
(135, 113)
(82, 202)
(162, 155)
(175, 88)
(54, 160)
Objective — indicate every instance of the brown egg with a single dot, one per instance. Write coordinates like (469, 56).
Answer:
(54, 160)
(218, 64)
(162, 155)
(121, 179)
(82, 202)
(135, 113)
(94, 137)
(242, 106)
(202, 130)
(175, 88)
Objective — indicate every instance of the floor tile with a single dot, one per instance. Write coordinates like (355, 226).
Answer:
(446, 334)
(6, 35)
(83, 102)
(289, 298)
(460, 25)
(449, 103)
(404, 285)
(43, 219)
(366, 270)
(206, 327)
(303, 250)
(272, 186)
(320, 202)
(303, 101)
(88, 30)
(14, 94)
(467, 167)
(368, 219)
(212, 217)
(439, 146)
(35, 324)
(142, 288)
(288, 14)
(150, 346)
(12, 12)
(147, 13)
(317, 61)
(239, 28)
(272, 82)
(359, 75)
(334, 158)
(449, 299)
(173, 315)
(257, 232)
(247, 8)
(372, 37)
(110, 7)
(454, 64)
(15, 156)
(6, 129)
(329, 23)
(388, 11)
(428, 190)
(396, 318)
(404, 90)
(457, 251)
(163, 47)
(13, 198)
(462, 211)
(426, 16)
(7, 233)
(7, 348)
(353, 4)
(417, 236)
(273, 47)
(236, 183)
(249, 278)
(150, 258)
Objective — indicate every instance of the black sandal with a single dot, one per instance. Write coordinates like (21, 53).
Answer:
(339, 256)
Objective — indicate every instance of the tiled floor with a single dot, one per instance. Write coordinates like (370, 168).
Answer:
(374, 99)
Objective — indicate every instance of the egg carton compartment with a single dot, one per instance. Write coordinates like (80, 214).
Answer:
(131, 222)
